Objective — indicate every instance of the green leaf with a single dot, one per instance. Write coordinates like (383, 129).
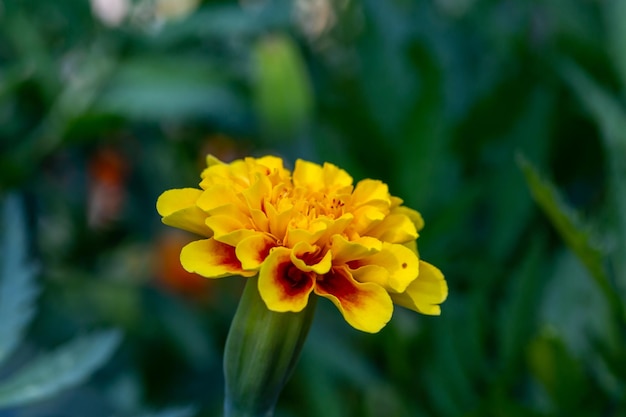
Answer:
(568, 224)
(17, 286)
(63, 368)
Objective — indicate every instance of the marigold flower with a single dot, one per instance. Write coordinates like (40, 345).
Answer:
(310, 231)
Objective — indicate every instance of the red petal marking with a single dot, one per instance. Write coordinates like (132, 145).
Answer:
(336, 282)
(265, 250)
(293, 280)
(355, 264)
(227, 256)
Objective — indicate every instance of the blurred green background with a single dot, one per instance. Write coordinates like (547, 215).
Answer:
(464, 107)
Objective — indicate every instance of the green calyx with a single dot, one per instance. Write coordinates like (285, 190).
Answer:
(261, 352)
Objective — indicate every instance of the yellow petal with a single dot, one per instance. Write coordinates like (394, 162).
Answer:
(336, 178)
(230, 229)
(218, 196)
(213, 160)
(394, 228)
(366, 217)
(282, 285)
(258, 192)
(312, 234)
(414, 215)
(260, 220)
(178, 208)
(211, 259)
(307, 257)
(345, 250)
(253, 250)
(425, 293)
(308, 174)
(371, 192)
(372, 273)
(365, 306)
(278, 221)
(275, 164)
(400, 262)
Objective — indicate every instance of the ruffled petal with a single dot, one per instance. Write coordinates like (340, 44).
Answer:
(253, 250)
(426, 292)
(217, 196)
(372, 273)
(314, 177)
(307, 257)
(366, 217)
(373, 193)
(413, 215)
(256, 194)
(365, 306)
(275, 164)
(400, 262)
(178, 208)
(308, 174)
(394, 228)
(211, 259)
(336, 179)
(282, 285)
(345, 250)
(316, 229)
(229, 229)
(278, 221)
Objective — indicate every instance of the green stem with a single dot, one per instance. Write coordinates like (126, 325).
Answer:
(261, 352)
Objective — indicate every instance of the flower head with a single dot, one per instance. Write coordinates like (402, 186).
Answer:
(306, 231)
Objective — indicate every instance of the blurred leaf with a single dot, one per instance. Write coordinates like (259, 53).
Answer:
(512, 209)
(161, 89)
(519, 314)
(17, 286)
(63, 368)
(615, 14)
(574, 305)
(567, 223)
(284, 98)
(172, 412)
(186, 332)
(605, 109)
(79, 92)
(558, 372)
(226, 21)
(384, 400)
(452, 376)
(324, 394)
(33, 57)
(424, 135)
(610, 115)
(389, 80)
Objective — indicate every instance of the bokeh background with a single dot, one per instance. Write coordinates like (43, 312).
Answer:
(502, 122)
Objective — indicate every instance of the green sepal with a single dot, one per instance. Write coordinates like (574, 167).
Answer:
(261, 352)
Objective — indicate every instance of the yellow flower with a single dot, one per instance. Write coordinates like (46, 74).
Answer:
(310, 231)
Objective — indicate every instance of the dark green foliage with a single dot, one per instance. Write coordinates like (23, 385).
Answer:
(465, 108)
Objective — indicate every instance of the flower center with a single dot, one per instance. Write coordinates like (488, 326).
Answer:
(295, 278)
